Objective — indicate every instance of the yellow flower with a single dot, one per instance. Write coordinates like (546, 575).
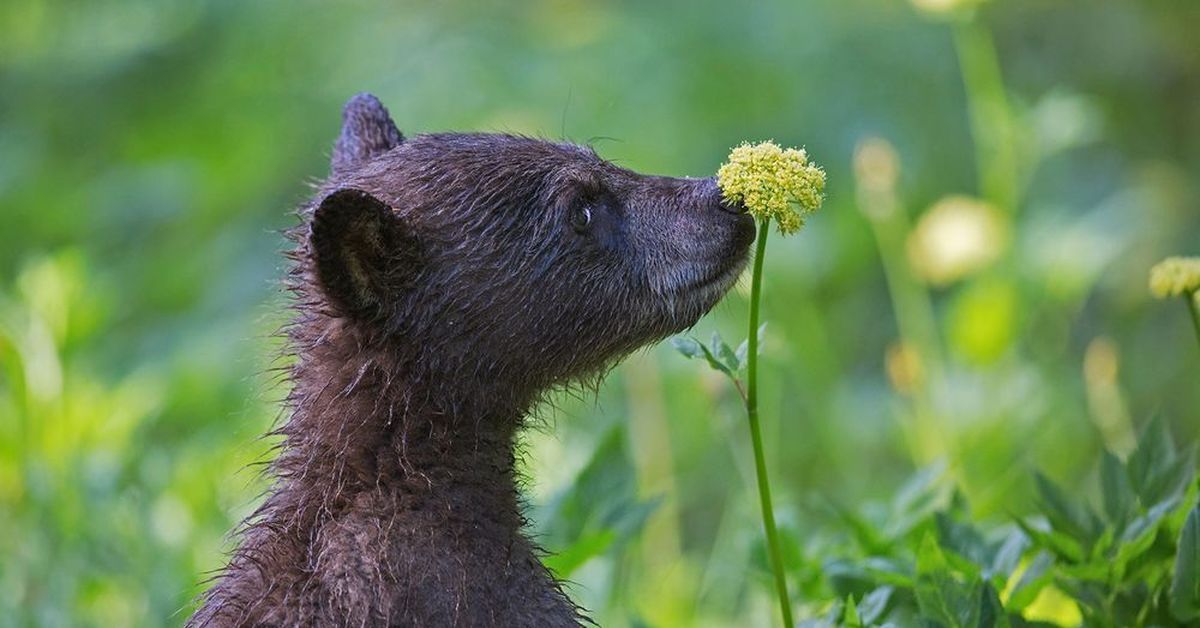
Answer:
(773, 183)
(1175, 276)
(956, 237)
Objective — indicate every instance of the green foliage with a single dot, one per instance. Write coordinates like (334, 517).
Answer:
(109, 509)
(718, 354)
(1185, 585)
(597, 511)
(1131, 562)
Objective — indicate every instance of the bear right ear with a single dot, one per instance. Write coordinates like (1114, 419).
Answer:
(367, 132)
(364, 253)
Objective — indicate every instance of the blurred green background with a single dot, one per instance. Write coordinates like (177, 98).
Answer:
(1001, 178)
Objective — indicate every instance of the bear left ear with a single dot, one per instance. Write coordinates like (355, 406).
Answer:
(364, 253)
(367, 132)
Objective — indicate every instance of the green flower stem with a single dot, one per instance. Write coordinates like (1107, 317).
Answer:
(760, 463)
(990, 113)
(917, 326)
(1193, 307)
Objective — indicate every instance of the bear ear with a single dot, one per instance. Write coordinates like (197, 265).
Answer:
(367, 132)
(363, 253)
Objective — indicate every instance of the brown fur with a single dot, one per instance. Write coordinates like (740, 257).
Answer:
(443, 284)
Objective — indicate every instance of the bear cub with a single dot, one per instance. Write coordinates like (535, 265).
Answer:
(443, 283)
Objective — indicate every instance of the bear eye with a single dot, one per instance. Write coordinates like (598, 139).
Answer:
(581, 218)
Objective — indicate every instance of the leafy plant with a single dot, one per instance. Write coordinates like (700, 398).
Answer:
(1119, 561)
(1132, 561)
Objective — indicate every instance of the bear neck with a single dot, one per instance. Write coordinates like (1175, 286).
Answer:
(369, 418)
(395, 502)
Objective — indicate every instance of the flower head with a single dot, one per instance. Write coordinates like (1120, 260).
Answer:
(1175, 276)
(773, 182)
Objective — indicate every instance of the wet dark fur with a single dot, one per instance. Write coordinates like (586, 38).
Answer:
(443, 283)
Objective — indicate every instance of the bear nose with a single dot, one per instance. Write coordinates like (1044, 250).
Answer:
(733, 207)
(718, 199)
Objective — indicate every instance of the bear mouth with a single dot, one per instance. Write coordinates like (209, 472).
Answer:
(709, 286)
(721, 278)
(724, 272)
(694, 287)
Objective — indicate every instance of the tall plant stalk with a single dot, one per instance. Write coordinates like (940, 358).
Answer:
(991, 117)
(777, 184)
(1193, 307)
(917, 325)
(760, 463)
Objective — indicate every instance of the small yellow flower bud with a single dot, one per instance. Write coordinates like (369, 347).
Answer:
(1175, 276)
(773, 182)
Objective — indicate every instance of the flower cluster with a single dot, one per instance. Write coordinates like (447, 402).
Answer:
(1175, 276)
(773, 182)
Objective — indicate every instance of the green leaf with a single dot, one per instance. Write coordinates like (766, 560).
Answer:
(1093, 571)
(689, 347)
(743, 349)
(1067, 515)
(719, 357)
(1185, 585)
(1116, 491)
(917, 500)
(1104, 545)
(869, 540)
(586, 547)
(1140, 535)
(849, 577)
(964, 540)
(692, 349)
(1060, 544)
(724, 354)
(1171, 482)
(991, 612)
(1035, 578)
(850, 617)
(1008, 555)
(1154, 454)
(715, 362)
(940, 596)
(874, 605)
